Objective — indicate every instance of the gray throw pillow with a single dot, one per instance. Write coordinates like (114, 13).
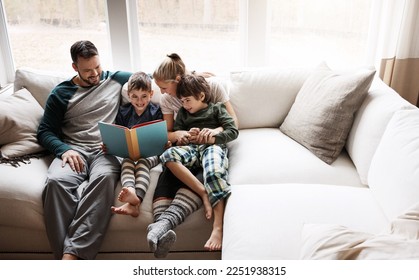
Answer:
(323, 112)
(20, 115)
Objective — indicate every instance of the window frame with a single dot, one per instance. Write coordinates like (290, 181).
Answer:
(7, 67)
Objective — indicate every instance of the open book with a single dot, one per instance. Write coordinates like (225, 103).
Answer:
(141, 141)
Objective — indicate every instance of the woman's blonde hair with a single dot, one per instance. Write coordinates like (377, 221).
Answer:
(171, 67)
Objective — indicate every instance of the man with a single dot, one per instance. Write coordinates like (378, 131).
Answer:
(76, 223)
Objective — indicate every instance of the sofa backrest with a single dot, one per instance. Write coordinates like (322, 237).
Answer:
(394, 172)
(263, 98)
(369, 124)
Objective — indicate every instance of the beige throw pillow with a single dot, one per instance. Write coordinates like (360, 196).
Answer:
(39, 83)
(20, 115)
(323, 112)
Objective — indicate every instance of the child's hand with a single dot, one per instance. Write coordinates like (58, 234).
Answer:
(168, 145)
(204, 136)
(182, 137)
(103, 147)
(194, 132)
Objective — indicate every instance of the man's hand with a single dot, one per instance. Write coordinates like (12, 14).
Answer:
(74, 159)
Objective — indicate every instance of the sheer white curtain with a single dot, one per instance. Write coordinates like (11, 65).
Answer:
(394, 45)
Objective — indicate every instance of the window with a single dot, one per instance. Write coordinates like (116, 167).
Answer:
(305, 32)
(204, 33)
(41, 32)
(210, 35)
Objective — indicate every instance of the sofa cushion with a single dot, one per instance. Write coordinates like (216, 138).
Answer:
(323, 112)
(22, 219)
(39, 83)
(370, 122)
(20, 115)
(263, 98)
(267, 156)
(21, 192)
(266, 221)
(394, 172)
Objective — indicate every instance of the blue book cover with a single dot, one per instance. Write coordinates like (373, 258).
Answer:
(141, 141)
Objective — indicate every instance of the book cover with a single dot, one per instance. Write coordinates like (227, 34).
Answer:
(141, 141)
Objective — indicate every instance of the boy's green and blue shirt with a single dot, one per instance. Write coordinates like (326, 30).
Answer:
(213, 116)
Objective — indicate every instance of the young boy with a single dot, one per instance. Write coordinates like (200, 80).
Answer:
(135, 176)
(200, 118)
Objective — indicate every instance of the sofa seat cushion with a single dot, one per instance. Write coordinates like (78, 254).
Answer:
(20, 194)
(267, 156)
(266, 221)
(191, 235)
(22, 220)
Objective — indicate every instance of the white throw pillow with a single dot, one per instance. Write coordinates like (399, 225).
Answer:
(407, 224)
(262, 98)
(336, 242)
(20, 115)
(394, 172)
(323, 112)
(331, 241)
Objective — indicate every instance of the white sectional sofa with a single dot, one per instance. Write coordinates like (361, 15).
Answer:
(286, 202)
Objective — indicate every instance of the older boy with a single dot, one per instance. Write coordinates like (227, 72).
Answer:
(200, 117)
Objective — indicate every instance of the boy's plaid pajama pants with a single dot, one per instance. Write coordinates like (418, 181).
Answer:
(214, 161)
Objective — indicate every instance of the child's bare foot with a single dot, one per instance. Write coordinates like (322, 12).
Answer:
(207, 206)
(127, 209)
(132, 205)
(69, 257)
(128, 195)
(214, 243)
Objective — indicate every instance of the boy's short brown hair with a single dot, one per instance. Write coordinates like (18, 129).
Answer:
(139, 81)
(193, 85)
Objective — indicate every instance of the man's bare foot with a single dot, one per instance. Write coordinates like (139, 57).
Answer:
(207, 206)
(69, 257)
(127, 209)
(128, 195)
(214, 243)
